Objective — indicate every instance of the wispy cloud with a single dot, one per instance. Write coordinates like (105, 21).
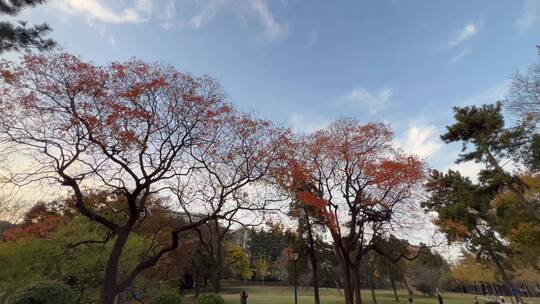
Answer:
(460, 55)
(273, 30)
(470, 30)
(138, 12)
(373, 101)
(168, 14)
(489, 95)
(195, 13)
(112, 41)
(530, 15)
(103, 32)
(167, 25)
(206, 13)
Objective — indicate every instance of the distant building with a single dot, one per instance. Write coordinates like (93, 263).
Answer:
(194, 216)
(240, 238)
(185, 217)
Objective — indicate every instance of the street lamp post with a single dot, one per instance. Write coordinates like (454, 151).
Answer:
(294, 256)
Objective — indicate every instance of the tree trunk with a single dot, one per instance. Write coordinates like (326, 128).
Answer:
(110, 287)
(527, 290)
(313, 258)
(394, 289)
(217, 276)
(495, 291)
(347, 284)
(218, 259)
(197, 282)
(409, 290)
(507, 281)
(372, 287)
(358, 286)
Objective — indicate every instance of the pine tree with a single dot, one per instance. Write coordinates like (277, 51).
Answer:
(18, 36)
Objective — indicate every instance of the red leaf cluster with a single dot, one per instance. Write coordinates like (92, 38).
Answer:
(39, 230)
(350, 164)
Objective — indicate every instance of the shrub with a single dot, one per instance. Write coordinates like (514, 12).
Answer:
(48, 292)
(209, 298)
(168, 296)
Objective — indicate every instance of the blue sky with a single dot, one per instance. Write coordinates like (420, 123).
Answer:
(303, 63)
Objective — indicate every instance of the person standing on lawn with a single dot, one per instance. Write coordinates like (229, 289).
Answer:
(439, 296)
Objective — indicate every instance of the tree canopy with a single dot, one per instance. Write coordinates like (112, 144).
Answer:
(136, 130)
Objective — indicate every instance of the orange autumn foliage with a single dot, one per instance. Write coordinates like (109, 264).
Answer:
(309, 198)
(120, 104)
(359, 161)
(390, 173)
(456, 230)
(39, 230)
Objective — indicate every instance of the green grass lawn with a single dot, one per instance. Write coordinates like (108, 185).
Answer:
(285, 295)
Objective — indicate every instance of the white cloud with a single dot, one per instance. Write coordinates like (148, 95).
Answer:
(530, 15)
(467, 32)
(460, 55)
(195, 13)
(421, 140)
(139, 12)
(273, 30)
(374, 101)
(303, 124)
(469, 169)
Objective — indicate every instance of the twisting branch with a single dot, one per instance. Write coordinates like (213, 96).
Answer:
(89, 242)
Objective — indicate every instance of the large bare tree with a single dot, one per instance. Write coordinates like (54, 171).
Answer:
(132, 128)
(237, 169)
